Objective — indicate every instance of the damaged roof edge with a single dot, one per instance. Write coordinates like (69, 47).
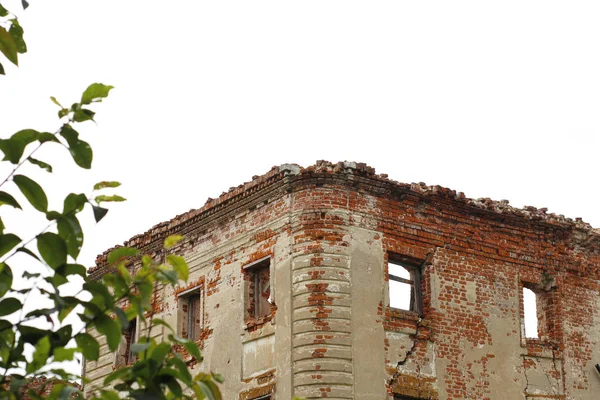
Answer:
(278, 173)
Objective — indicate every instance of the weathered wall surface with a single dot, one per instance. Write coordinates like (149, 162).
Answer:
(329, 231)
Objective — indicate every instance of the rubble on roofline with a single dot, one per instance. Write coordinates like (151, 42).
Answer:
(363, 170)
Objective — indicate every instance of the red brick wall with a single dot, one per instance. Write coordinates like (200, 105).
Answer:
(476, 256)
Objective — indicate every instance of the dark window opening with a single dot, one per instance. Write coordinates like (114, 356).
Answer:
(190, 309)
(258, 299)
(125, 355)
(130, 340)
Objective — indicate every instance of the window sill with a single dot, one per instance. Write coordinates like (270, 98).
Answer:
(257, 323)
(116, 367)
(256, 329)
(539, 347)
(399, 313)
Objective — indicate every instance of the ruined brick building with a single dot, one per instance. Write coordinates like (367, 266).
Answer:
(334, 282)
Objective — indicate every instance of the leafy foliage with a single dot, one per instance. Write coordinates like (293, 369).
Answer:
(106, 307)
(12, 42)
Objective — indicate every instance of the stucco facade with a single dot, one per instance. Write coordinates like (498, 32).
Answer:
(290, 279)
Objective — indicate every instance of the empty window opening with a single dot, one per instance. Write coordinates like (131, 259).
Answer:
(530, 314)
(404, 286)
(258, 277)
(125, 355)
(265, 397)
(190, 311)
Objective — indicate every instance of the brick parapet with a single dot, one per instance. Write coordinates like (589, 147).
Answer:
(362, 179)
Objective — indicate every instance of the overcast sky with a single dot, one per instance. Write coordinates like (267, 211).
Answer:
(495, 99)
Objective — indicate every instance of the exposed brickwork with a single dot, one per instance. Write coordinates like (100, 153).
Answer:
(40, 386)
(329, 230)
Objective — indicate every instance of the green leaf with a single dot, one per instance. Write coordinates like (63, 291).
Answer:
(120, 253)
(52, 249)
(40, 312)
(95, 92)
(82, 115)
(53, 99)
(123, 273)
(47, 137)
(9, 305)
(184, 373)
(17, 34)
(40, 355)
(14, 147)
(100, 292)
(40, 164)
(2, 70)
(28, 252)
(99, 212)
(209, 389)
(175, 388)
(25, 4)
(31, 335)
(218, 377)
(110, 329)
(113, 197)
(8, 242)
(88, 345)
(16, 382)
(6, 278)
(171, 275)
(6, 198)
(106, 395)
(3, 11)
(67, 393)
(74, 203)
(106, 184)
(64, 312)
(172, 241)
(70, 231)
(121, 316)
(33, 192)
(193, 349)
(28, 275)
(62, 354)
(80, 151)
(69, 304)
(160, 352)
(56, 280)
(63, 112)
(158, 321)
(179, 265)
(72, 269)
(116, 375)
(137, 348)
(53, 215)
(26, 135)
(62, 336)
(8, 47)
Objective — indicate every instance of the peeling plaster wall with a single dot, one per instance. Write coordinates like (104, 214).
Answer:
(329, 230)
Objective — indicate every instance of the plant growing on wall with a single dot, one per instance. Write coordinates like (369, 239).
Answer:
(106, 307)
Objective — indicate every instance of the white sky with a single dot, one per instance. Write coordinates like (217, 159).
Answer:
(496, 99)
